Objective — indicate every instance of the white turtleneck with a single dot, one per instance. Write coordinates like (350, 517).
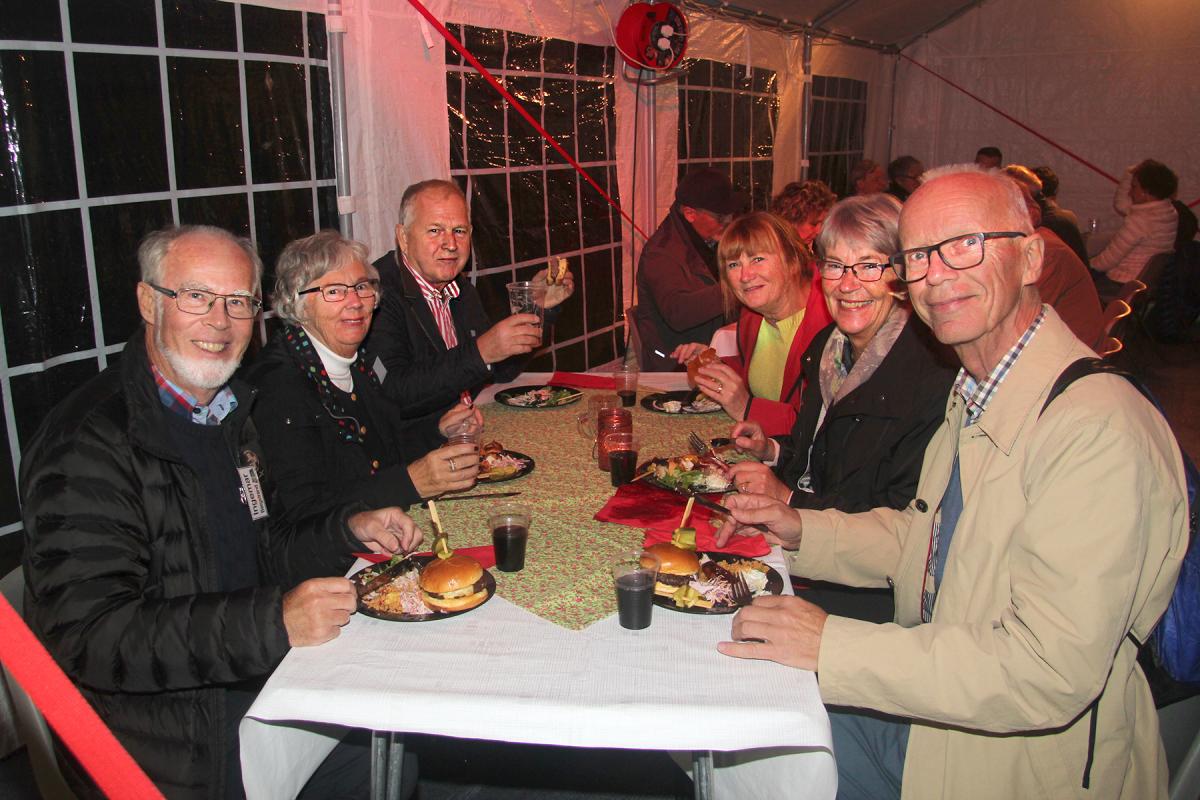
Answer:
(336, 367)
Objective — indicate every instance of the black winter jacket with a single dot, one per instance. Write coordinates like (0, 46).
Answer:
(420, 374)
(313, 467)
(869, 449)
(121, 576)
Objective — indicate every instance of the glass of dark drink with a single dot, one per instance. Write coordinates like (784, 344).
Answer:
(622, 449)
(509, 524)
(625, 381)
(634, 576)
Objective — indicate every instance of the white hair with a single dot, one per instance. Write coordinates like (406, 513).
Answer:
(1013, 199)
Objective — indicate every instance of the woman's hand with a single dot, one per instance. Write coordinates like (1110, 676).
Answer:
(686, 352)
(447, 469)
(458, 413)
(784, 526)
(750, 477)
(722, 384)
(749, 437)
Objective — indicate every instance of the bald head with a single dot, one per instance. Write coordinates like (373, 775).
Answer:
(982, 309)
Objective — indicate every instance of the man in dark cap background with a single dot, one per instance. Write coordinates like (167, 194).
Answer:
(678, 279)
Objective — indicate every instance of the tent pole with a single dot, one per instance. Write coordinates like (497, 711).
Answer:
(335, 24)
(806, 103)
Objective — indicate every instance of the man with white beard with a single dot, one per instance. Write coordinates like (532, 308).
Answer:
(155, 573)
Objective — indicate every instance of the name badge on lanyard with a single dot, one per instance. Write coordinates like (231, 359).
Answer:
(252, 493)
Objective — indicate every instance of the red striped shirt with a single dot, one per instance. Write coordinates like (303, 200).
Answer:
(438, 301)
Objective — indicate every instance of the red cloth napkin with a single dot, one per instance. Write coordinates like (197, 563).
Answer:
(484, 554)
(640, 505)
(581, 380)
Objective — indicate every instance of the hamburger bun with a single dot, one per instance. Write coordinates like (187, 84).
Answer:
(452, 584)
(676, 566)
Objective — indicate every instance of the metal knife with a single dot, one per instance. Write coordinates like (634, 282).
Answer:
(449, 497)
(383, 578)
(704, 502)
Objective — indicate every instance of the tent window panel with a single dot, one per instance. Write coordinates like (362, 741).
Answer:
(700, 73)
(454, 102)
(597, 281)
(228, 211)
(199, 25)
(116, 232)
(272, 31)
(837, 129)
(743, 78)
(36, 393)
(594, 211)
(524, 52)
(570, 324)
(35, 22)
(275, 99)
(493, 292)
(35, 129)
(130, 156)
(485, 44)
(571, 357)
(9, 507)
(43, 286)
(722, 75)
(206, 122)
(764, 80)
(560, 118)
(489, 221)
(589, 101)
(699, 125)
(592, 60)
(318, 38)
(529, 215)
(452, 56)
(762, 130)
(327, 210)
(600, 348)
(322, 109)
(123, 22)
(484, 110)
(614, 218)
(763, 173)
(742, 131)
(563, 209)
(279, 217)
(741, 179)
(559, 57)
(524, 143)
(722, 125)
(618, 255)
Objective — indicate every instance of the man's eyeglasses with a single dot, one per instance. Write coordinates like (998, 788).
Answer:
(957, 252)
(722, 219)
(865, 271)
(337, 292)
(201, 301)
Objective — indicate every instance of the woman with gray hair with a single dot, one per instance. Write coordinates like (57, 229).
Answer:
(875, 389)
(329, 432)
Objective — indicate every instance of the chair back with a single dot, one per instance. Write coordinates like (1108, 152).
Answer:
(1130, 290)
(31, 725)
(1114, 312)
(1152, 272)
(1110, 347)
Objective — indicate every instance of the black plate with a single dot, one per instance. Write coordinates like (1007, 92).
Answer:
(654, 481)
(651, 401)
(774, 586)
(522, 472)
(358, 577)
(505, 396)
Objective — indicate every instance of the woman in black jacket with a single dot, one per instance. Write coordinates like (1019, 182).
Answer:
(330, 434)
(874, 391)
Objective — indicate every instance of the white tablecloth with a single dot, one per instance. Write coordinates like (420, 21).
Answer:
(502, 673)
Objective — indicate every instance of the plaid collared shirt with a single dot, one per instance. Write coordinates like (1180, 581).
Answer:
(438, 301)
(185, 404)
(975, 395)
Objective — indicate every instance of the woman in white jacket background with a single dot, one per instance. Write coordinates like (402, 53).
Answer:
(1144, 199)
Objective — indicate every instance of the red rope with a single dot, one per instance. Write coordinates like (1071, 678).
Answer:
(482, 70)
(1013, 120)
(76, 722)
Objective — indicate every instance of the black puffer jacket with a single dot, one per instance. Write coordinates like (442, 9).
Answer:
(313, 466)
(122, 578)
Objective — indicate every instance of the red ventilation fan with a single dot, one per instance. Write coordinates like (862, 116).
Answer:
(652, 35)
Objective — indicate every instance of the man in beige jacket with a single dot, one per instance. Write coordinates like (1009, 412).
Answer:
(1036, 546)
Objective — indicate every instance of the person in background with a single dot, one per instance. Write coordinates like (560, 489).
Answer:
(1065, 283)
(989, 157)
(324, 422)
(769, 272)
(875, 388)
(904, 175)
(431, 337)
(1150, 226)
(679, 283)
(1042, 545)
(1064, 223)
(805, 205)
(867, 177)
(157, 571)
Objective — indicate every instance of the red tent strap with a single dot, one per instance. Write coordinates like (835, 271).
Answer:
(75, 722)
(1013, 120)
(482, 70)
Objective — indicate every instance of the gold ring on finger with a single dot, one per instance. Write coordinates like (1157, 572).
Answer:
(452, 467)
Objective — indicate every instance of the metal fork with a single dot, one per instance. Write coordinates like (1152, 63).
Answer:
(701, 447)
(741, 592)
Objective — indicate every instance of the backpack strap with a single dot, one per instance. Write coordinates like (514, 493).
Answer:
(1083, 367)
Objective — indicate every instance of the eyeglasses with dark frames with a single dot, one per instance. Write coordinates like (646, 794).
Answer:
(337, 292)
(957, 252)
(865, 271)
(201, 301)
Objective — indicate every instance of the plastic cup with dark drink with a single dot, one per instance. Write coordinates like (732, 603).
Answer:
(634, 577)
(622, 449)
(509, 524)
(626, 382)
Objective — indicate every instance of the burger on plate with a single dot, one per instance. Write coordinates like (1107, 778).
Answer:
(677, 567)
(452, 584)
